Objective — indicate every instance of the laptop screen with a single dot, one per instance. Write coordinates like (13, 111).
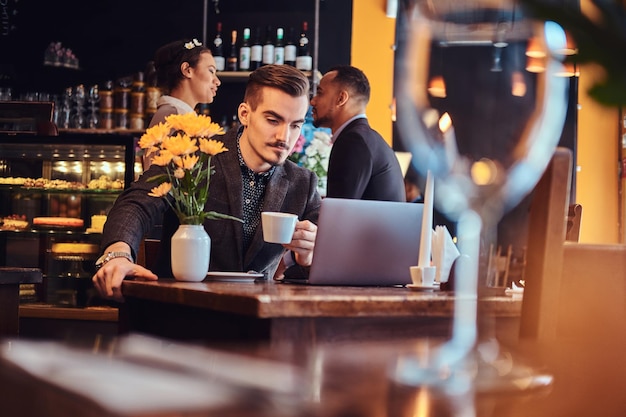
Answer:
(365, 242)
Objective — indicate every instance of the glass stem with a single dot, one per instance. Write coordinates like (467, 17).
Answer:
(464, 321)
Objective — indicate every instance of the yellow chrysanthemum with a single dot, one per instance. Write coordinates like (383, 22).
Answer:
(175, 145)
(194, 125)
(180, 145)
(187, 162)
(179, 173)
(212, 146)
(208, 129)
(180, 121)
(161, 190)
(154, 136)
(163, 158)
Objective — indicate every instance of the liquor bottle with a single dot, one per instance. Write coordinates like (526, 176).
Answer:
(244, 51)
(290, 49)
(304, 61)
(268, 47)
(218, 50)
(232, 63)
(279, 48)
(256, 51)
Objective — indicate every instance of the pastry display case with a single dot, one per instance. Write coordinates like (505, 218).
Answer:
(55, 193)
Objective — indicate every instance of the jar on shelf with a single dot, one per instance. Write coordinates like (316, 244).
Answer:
(152, 97)
(137, 102)
(122, 98)
(121, 119)
(137, 121)
(106, 96)
(106, 119)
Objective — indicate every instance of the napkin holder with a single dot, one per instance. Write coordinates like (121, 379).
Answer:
(444, 253)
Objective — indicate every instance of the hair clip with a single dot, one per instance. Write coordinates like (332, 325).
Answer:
(192, 44)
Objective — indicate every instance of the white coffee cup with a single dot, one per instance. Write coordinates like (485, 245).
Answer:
(278, 227)
(423, 276)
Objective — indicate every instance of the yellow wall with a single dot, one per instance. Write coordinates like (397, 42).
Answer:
(372, 40)
(597, 176)
(372, 51)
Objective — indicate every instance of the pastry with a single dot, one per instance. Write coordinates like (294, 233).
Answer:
(58, 221)
(75, 248)
(13, 222)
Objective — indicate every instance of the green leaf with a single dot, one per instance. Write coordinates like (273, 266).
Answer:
(213, 215)
(158, 178)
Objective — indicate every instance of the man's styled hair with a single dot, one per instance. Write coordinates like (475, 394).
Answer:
(354, 80)
(283, 77)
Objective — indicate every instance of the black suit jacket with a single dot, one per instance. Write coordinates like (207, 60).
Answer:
(363, 166)
(291, 189)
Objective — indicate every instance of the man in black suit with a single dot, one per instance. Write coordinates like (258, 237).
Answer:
(361, 165)
(253, 176)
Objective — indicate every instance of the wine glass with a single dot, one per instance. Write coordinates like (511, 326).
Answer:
(78, 97)
(484, 118)
(93, 98)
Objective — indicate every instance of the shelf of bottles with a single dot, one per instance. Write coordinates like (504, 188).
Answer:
(248, 53)
(239, 76)
(122, 107)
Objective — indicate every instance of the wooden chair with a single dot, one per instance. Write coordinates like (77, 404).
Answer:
(546, 236)
(574, 306)
(570, 287)
(148, 253)
(574, 218)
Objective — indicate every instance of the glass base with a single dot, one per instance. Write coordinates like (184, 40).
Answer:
(486, 379)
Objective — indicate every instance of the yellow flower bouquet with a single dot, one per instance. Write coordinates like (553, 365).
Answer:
(182, 145)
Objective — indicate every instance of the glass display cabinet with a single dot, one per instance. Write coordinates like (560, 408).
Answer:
(55, 193)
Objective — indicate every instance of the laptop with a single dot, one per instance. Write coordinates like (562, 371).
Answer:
(365, 243)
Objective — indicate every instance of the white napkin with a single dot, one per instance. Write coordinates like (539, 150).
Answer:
(444, 253)
(515, 291)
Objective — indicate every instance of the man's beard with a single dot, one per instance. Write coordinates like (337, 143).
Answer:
(321, 122)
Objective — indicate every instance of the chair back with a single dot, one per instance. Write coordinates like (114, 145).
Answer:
(546, 236)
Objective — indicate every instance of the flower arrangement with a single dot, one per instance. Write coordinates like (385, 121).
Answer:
(183, 146)
(314, 155)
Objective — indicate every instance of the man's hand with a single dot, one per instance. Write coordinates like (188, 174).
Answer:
(303, 242)
(108, 279)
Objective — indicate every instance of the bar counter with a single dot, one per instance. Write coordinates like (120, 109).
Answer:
(280, 312)
(10, 281)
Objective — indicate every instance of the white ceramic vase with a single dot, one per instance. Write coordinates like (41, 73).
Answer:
(191, 251)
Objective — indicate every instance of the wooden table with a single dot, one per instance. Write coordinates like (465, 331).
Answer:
(280, 312)
(10, 280)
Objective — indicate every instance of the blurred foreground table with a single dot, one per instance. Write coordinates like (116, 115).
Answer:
(143, 376)
(291, 313)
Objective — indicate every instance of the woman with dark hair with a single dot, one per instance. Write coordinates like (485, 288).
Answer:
(187, 75)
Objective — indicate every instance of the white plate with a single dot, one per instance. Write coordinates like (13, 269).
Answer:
(233, 276)
(415, 287)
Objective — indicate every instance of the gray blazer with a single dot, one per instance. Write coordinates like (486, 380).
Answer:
(291, 189)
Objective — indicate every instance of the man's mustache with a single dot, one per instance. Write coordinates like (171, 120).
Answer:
(279, 144)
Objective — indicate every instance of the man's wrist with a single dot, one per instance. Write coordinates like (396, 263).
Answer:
(112, 255)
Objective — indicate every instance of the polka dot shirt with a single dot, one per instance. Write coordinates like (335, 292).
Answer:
(253, 195)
